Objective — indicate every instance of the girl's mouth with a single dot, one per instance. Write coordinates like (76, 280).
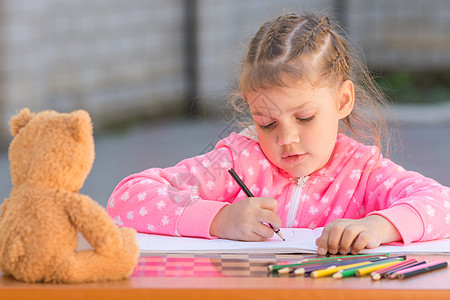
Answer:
(293, 158)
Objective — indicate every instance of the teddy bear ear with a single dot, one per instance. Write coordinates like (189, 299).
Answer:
(19, 121)
(81, 124)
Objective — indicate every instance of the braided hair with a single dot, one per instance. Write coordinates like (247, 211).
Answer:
(309, 47)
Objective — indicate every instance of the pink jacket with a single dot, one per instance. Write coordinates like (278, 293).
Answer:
(356, 182)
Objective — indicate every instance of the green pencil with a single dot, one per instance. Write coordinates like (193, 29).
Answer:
(319, 260)
(352, 271)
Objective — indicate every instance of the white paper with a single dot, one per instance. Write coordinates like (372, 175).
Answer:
(298, 240)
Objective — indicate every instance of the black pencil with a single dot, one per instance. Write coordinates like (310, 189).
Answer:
(409, 272)
(249, 194)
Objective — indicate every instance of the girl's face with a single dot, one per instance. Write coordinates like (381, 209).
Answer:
(297, 126)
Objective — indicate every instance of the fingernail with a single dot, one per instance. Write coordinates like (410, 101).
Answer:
(322, 251)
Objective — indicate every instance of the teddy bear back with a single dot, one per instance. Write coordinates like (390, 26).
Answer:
(51, 149)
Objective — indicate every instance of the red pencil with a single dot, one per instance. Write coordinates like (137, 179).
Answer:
(376, 275)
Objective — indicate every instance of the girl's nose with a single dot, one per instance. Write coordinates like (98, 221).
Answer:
(288, 136)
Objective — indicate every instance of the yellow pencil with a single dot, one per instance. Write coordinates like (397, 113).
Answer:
(369, 269)
(332, 270)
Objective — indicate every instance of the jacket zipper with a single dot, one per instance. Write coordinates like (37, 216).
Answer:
(295, 200)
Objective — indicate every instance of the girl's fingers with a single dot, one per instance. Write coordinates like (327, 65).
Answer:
(269, 217)
(349, 236)
(360, 242)
(335, 236)
(322, 241)
(267, 203)
(263, 231)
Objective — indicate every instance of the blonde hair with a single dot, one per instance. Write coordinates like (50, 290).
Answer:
(294, 47)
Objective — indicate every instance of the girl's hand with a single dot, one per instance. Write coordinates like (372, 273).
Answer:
(243, 220)
(344, 235)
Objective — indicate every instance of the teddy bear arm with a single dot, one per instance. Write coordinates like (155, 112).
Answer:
(94, 224)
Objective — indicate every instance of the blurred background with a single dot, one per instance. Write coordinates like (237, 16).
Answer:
(155, 74)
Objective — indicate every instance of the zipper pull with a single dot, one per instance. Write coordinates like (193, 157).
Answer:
(301, 181)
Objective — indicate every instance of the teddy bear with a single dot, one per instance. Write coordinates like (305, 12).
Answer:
(50, 156)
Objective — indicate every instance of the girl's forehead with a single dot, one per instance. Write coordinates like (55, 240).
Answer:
(276, 101)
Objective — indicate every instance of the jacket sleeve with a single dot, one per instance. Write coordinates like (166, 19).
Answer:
(417, 206)
(181, 200)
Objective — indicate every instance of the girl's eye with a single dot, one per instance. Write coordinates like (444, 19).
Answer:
(306, 119)
(267, 126)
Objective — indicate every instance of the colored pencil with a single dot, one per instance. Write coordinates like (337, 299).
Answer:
(332, 270)
(308, 269)
(377, 266)
(374, 264)
(409, 272)
(344, 257)
(378, 274)
(249, 194)
(393, 274)
(318, 261)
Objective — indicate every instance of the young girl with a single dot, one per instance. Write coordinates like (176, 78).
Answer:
(303, 88)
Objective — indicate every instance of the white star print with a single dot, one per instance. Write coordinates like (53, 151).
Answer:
(337, 211)
(146, 181)
(313, 210)
(162, 191)
(210, 185)
(130, 215)
(125, 196)
(206, 163)
(355, 175)
(143, 211)
(324, 200)
(255, 189)
(225, 164)
(430, 210)
(312, 225)
(263, 163)
(161, 204)
(141, 196)
(118, 221)
(389, 183)
(447, 204)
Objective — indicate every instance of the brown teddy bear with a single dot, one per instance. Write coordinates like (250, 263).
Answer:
(50, 157)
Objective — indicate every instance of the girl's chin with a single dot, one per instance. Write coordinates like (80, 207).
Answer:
(297, 173)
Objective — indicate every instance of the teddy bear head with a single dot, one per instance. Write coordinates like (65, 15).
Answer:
(51, 149)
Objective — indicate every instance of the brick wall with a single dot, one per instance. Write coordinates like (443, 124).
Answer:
(410, 34)
(111, 57)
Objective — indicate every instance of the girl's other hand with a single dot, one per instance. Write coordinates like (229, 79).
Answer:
(243, 220)
(345, 235)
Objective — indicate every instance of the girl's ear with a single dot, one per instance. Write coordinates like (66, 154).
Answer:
(346, 100)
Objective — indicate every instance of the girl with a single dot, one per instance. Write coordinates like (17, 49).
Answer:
(303, 89)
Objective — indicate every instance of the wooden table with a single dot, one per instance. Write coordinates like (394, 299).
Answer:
(434, 285)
